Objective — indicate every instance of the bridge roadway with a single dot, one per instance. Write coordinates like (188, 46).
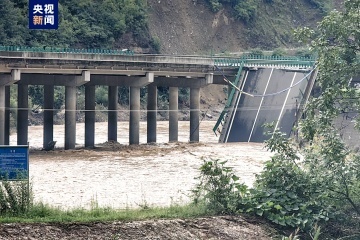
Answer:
(73, 69)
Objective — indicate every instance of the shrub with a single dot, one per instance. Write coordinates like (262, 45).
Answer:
(215, 5)
(156, 44)
(256, 52)
(246, 10)
(15, 197)
(304, 53)
(279, 52)
(101, 95)
(218, 188)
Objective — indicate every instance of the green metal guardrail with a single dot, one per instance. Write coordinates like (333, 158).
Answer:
(261, 60)
(230, 98)
(65, 50)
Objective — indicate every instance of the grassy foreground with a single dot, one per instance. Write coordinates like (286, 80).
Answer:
(45, 214)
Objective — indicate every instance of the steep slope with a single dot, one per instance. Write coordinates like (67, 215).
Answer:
(190, 27)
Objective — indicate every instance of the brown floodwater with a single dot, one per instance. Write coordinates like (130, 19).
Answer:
(121, 176)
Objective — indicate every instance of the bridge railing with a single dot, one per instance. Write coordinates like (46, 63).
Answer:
(262, 60)
(66, 50)
(229, 101)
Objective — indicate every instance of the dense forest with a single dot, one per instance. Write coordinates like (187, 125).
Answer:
(82, 24)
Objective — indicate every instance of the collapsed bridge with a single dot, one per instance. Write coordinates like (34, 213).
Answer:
(72, 68)
(264, 94)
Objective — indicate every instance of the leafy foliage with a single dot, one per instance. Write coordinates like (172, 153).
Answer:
(325, 183)
(244, 9)
(286, 193)
(82, 24)
(15, 197)
(337, 44)
(336, 41)
(218, 188)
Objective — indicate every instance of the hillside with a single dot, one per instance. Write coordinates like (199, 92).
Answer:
(190, 27)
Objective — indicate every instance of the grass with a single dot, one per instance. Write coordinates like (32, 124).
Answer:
(46, 214)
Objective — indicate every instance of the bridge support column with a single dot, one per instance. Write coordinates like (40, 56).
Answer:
(70, 117)
(2, 115)
(7, 115)
(173, 114)
(89, 116)
(112, 114)
(22, 114)
(134, 126)
(194, 114)
(151, 114)
(48, 115)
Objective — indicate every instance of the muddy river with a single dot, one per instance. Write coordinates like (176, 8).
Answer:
(121, 176)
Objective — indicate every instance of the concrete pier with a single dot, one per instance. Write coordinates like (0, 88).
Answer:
(89, 116)
(134, 124)
(152, 112)
(22, 115)
(48, 114)
(72, 70)
(112, 113)
(194, 114)
(2, 114)
(173, 114)
(70, 117)
(7, 115)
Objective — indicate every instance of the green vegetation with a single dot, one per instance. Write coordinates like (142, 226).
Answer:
(43, 213)
(218, 188)
(82, 24)
(244, 10)
(15, 197)
(314, 182)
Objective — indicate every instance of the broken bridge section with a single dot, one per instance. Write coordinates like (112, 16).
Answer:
(265, 95)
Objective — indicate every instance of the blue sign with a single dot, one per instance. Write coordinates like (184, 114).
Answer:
(14, 162)
(43, 14)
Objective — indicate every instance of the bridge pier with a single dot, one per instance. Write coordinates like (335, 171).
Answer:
(22, 114)
(194, 114)
(173, 114)
(134, 124)
(112, 113)
(48, 115)
(152, 112)
(90, 116)
(5, 81)
(2, 114)
(7, 116)
(70, 117)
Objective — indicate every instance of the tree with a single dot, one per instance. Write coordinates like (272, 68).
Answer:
(337, 44)
(12, 24)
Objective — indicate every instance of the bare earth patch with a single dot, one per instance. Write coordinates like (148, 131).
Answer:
(225, 227)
